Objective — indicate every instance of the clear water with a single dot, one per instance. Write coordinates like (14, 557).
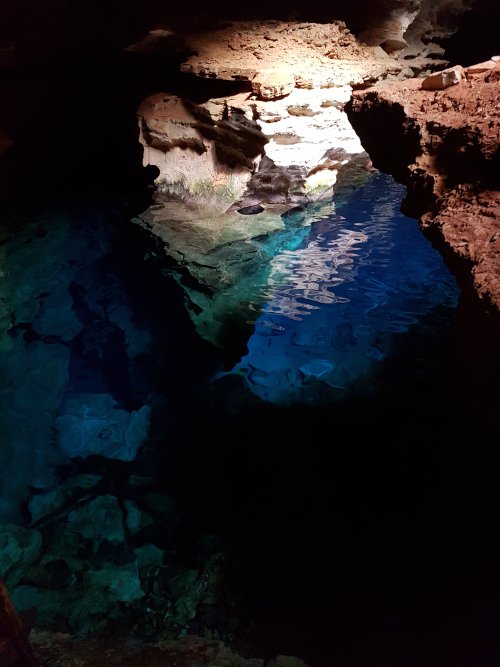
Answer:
(125, 449)
(332, 306)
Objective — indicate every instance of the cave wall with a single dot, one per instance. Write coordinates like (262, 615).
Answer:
(69, 92)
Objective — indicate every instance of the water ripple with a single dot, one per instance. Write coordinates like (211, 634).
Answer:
(333, 303)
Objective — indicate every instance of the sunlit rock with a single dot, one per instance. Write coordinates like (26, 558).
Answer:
(204, 163)
(271, 83)
(444, 79)
(224, 256)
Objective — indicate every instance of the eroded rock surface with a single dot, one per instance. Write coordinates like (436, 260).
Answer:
(205, 163)
(444, 145)
(57, 649)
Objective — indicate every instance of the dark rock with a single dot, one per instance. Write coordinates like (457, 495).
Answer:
(251, 210)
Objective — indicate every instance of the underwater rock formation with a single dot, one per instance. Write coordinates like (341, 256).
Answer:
(94, 424)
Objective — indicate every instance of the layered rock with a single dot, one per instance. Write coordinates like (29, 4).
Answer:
(202, 162)
(294, 79)
(444, 146)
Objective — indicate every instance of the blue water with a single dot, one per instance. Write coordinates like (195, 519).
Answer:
(114, 411)
(332, 306)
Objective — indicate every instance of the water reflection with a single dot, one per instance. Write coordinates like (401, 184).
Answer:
(333, 304)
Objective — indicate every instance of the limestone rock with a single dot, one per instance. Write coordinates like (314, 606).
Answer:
(93, 424)
(271, 83)
(445, 79)
(101, 518)
(203, 162)
(19, 548)
(315, 53)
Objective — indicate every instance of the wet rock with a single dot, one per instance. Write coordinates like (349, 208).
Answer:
(19, 548)
(98, 519)
(94, 424)
(47, 504)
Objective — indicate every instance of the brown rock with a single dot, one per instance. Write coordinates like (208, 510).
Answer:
(480, 67)
(445, 79)
(60, 650)
(444, 147)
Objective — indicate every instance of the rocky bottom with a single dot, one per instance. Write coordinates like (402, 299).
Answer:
(148, 494)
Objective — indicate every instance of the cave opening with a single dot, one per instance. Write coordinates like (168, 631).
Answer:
(306, 486)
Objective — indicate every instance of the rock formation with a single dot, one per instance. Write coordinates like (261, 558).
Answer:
(294, 79)
(277, 142)
(443, 144)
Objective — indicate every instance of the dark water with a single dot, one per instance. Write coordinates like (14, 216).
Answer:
(329, 497)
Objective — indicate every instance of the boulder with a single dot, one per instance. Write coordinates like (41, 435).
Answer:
(269, 84)
(19, 548)
(102, 518)
(94, 424)
(480, 67)
(445, 79)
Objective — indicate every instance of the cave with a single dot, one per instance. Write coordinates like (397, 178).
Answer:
(250, 310)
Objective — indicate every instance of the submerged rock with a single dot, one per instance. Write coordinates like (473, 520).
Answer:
(19, 548)
(94, 424)
(98, 519)
(49, 503)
